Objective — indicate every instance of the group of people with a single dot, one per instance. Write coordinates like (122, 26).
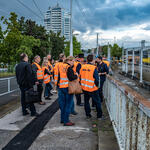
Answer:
(91, 75)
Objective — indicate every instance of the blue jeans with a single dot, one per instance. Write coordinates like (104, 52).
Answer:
(72, 107)
(48, 88)
(97, 101)
(65, 103)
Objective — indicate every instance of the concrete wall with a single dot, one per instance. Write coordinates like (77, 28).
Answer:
(130, 115)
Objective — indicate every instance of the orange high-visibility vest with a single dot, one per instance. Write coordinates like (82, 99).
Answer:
(75, 65)
(46, 76)
(106, 62)
(56, 72)
(51, 68)
(39, 71)
(87, 79)
(63, 82)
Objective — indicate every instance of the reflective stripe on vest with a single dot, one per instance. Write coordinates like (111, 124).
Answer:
(46, 76)
(87, 79)
(63, 83)
(39, 71)
(87, 85)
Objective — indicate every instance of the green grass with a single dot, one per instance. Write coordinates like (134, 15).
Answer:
(6, 74)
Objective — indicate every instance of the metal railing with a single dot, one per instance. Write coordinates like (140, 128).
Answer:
(130, 115)
(8, 85)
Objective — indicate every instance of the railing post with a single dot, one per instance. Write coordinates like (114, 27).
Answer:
(123, 69)
(8, 84)
(126, 61)
(133, 63)
(141, 60)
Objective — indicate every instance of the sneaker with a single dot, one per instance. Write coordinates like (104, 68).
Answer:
(69, 124)
(35, 115)
(74, 113)
(47, 98)
(54, 91)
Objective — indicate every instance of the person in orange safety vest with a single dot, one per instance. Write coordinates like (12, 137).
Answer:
(62, 57)
(38, 77)
(46, 79)
(77, 66)
(89, 82)
(65, 99)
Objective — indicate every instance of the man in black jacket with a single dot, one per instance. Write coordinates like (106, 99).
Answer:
(102, 71)
(25, 82)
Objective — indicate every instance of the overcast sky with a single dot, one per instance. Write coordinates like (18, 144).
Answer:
(122, 21)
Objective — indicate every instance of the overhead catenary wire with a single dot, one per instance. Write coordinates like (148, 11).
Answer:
(29, 9)
(38, 8)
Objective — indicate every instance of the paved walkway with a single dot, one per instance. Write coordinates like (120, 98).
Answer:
(54, 136)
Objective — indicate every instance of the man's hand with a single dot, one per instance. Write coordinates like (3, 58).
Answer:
(37, 83)
(102, 73)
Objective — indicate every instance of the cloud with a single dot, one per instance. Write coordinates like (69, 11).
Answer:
(124, 19)
(147, 27)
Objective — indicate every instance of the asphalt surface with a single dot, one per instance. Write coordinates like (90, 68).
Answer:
(54, 135)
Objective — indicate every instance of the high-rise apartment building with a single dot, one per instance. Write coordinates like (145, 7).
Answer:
(58, 20)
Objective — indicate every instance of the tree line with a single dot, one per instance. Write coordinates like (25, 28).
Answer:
(21, 35)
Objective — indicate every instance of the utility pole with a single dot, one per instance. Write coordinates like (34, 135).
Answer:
(97, 46)
(71, 43)
(108, 53)
(49, 42)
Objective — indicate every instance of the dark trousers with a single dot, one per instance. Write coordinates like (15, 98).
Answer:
(48, 88)
(100, 92)
(95, 97)
(101, 89)
(40, 90)
(24, 104)
(78, 98)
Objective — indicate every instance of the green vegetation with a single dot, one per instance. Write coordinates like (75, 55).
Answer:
(116, 51)
(6, 74)
(76, 47)
(27, 36)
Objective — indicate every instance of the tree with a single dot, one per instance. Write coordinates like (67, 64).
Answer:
(57, 43)
(76, 47)
(105, 49)
(12, 39)
(116, 51)
(14, 42)
(30, 28)
(26, 46)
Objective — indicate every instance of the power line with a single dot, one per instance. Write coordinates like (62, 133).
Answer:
(80, 8)
(29, 9)
(37, 7)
